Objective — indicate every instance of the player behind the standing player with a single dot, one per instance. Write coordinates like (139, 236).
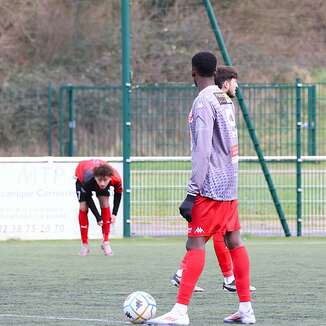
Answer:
(98, 176)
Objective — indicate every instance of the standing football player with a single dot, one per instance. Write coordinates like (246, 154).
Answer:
(227, 80)
(98, 176)
(211, 201)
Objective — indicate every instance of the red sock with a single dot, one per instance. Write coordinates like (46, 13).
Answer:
(106, 216)
(241, 269)
(195, 260)
(223, 255)
(83, 225)
(183, 264)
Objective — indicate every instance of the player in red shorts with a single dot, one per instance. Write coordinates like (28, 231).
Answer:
(227, 80)
(98, 176)
(211, 202)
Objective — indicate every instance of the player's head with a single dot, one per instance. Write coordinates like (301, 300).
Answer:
(226, 79)
(102, 175)
(203, 66)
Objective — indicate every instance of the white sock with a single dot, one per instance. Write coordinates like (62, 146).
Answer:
(182, 308)
(179, 272)
(245, 306)
(229, 279)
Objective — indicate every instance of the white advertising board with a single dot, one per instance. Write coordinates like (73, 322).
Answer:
(38, 200)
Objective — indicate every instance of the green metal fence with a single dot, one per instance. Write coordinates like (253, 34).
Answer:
(88, 122)
(159, 186)
(159, 124)
(98, 108)
(272, 108)
(320, 119)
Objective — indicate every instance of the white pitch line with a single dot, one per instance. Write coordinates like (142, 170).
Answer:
(104, 321)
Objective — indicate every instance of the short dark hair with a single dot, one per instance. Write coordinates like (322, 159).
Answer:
(103, 170)
(224, 73)
(204, 63)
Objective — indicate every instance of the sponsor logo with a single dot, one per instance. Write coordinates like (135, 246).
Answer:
(199, 230)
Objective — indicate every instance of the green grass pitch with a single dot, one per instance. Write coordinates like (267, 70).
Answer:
(47, 283)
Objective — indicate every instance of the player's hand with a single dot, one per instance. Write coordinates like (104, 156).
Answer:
(100, 222)
(113, 218)
(186, 207)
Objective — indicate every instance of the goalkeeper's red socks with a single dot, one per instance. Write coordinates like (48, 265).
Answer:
(223, 255)
(241, 269)
(106, 216)
(83, 225)
(195, 261)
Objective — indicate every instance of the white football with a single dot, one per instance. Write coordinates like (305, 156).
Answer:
(139, 307)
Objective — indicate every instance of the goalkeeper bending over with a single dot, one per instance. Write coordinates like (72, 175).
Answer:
(98, 176)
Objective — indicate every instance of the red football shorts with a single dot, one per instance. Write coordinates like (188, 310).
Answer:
(210, 216)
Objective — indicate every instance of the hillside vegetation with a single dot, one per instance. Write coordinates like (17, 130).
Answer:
(78, 41)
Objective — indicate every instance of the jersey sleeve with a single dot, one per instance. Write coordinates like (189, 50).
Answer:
(116, 182)
(201, 134)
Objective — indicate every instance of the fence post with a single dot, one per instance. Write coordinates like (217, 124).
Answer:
(298, 88)
(61, 122)
(312, 98)
(72, 121)
(49, 119)
(126, 92)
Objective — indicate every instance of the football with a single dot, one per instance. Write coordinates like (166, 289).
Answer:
(139, 307)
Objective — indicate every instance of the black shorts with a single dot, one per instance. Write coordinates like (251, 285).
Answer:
(84, 195)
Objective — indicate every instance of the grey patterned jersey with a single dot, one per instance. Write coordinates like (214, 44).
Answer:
(214, 146)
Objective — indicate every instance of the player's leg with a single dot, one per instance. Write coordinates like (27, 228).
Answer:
(199, 231)
(83, 226)
(224, 258)
(241, 269)
(225, 262)
(178, 274)
(83, 219)
(106, 217)
(194, 264)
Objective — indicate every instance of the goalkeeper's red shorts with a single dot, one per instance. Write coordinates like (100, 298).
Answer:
(211, 216)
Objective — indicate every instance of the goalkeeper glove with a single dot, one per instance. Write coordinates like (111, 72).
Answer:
(186, 207)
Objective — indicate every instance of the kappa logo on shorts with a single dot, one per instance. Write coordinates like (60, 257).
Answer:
(199, 230)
